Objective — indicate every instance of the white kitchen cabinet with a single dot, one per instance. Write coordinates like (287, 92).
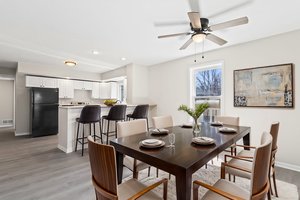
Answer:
(43, 82)
(66, 89)
(83, 85)
(96, 90)
(108, 90)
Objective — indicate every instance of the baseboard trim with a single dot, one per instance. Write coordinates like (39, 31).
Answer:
(288, 166)
(63, 149)
(21, 134)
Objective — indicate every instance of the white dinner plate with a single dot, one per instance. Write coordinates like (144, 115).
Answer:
(159, 131)
(203, 140)
(227, 130)
(216, 123)
(152, 143)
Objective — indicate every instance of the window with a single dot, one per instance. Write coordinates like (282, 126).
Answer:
(206, 86)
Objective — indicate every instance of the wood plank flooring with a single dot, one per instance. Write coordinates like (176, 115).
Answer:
(33, 168)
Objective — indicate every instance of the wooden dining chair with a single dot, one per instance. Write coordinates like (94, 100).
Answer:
(232, 121)
(104, 177)
(249, 154)
(131, 128)
(162, 122)
(259, 178)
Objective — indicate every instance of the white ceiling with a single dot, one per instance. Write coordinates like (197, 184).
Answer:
(50, 32)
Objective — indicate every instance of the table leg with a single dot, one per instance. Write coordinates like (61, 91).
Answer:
(119, 158)
(183, 186)
(246, 141)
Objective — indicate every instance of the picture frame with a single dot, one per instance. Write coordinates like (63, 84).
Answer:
(268, 86)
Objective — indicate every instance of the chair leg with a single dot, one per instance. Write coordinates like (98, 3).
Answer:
(77, 137)
(271, 190)
(116, 129)
(149, 169)
(94, 132)
(275, 187)
(156, 172)
(269, 194)
(90, 128)
(107, 132)
(82, 145)
(147, 123)
(100, 129)
(169, 176)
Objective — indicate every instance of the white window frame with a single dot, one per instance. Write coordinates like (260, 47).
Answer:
(206, 66)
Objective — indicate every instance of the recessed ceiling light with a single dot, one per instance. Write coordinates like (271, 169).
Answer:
(123, 58)
(95, 52)
(70, 63)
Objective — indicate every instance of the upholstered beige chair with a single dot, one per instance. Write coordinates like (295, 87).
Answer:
(130, 128)
(228, 120)
(259, 178)
(162, 121)
(104, 177)
(249, 154)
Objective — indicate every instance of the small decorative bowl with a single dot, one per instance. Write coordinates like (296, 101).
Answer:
(110, 102)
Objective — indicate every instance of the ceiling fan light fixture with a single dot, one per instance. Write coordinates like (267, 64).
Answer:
(198, 37)
(70, 63)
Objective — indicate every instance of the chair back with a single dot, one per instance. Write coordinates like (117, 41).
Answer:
(260, 168)
(162, 121)
(90, 114)
(233, 121)
(131, 127)
(117, 112)
(103, 167)
(274, 132)
(140, 111)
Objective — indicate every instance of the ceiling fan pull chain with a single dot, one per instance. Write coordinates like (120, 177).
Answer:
(195, 55)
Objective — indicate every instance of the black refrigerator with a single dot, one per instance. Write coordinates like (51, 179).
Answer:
(44, 111)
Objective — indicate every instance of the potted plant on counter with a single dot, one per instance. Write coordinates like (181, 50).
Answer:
(195, 114)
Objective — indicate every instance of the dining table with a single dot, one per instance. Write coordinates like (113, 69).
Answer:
(185, 158)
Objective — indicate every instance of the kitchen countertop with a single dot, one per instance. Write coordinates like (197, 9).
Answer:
(71, 106)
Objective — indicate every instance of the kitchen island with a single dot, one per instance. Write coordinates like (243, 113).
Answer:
(67, 125)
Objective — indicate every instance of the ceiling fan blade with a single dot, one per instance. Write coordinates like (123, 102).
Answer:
(186, 44)
(194, 5)
(160, 24)
(215, 39)
(174, 35)
(231, 23)
(232, 8)
(195, 19)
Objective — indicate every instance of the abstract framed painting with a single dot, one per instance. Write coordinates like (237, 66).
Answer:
(270, 86)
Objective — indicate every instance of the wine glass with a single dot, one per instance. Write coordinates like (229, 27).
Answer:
(171, 139)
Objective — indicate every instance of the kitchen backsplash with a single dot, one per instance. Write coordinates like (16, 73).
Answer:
(81, 96)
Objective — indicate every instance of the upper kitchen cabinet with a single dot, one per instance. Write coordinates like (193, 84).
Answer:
(43, 82)
(96, 90)
(83, 85)
(66, 89)
(108, 90)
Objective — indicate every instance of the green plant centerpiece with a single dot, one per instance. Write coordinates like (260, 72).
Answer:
(195, 113)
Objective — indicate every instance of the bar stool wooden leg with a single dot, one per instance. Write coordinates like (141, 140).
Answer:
(77, 137)
(116, 129)
(147, 123)
(275, 187)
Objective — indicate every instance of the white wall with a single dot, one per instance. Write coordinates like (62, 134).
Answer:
(6, 101)
(169, 87)
(22, 93)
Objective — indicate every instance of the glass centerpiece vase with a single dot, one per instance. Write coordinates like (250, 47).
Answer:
(195, 114)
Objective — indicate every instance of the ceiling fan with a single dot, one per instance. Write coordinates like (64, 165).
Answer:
(200, 29)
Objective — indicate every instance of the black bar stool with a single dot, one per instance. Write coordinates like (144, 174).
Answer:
(89, 115)
(116, 113)
(140, 112)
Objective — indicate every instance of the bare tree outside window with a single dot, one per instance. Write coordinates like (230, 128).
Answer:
(208, 82)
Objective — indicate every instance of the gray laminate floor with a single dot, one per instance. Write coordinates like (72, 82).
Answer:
(33, 168)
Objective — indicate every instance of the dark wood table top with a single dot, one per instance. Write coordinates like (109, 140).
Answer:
(185, 156)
